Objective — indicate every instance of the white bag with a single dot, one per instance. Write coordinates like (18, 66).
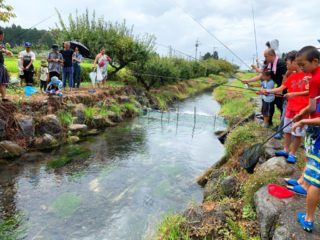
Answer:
(93, 77)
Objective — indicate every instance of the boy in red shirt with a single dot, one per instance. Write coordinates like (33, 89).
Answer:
(308, 60)
(297, 100)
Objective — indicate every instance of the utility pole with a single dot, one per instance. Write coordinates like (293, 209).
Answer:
(197, 45)
(170, 51)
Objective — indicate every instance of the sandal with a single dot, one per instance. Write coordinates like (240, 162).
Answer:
(298, 189)
(307, 226)
(291, 181)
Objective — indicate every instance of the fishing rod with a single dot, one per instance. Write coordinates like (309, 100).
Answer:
(255, 33)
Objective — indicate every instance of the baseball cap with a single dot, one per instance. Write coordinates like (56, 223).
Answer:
(27, 44)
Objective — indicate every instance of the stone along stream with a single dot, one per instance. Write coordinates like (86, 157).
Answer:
(122, 182)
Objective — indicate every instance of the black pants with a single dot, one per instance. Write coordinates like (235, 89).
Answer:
(28, 76)
(54, 74)
(43, 85)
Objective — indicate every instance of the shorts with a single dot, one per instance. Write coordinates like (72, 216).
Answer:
(267, 108)
(300, 132)
(312, 145)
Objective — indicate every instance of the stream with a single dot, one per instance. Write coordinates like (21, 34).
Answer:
(129, 178)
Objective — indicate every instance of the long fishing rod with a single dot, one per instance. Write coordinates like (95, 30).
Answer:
(212, 35)
(255, 33)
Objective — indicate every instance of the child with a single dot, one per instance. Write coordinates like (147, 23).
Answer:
(297, 100)
(44, 76)
(267, 109)
(308, 60)
(54, 86)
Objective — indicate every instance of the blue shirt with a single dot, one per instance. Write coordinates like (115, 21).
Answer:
(268, 85)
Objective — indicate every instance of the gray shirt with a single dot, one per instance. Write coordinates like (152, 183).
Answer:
(54, 66)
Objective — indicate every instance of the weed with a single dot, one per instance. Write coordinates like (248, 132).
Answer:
(238, 231)
(172, 228)
(12, 228)
(130, 107)
(248, 212)
(65, 118)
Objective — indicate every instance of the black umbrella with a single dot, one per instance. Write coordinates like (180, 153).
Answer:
(84, 51)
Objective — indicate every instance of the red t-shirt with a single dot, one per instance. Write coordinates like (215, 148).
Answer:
(295, 83)
(314, 91)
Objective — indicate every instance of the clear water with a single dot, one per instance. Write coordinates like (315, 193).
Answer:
(136, 173)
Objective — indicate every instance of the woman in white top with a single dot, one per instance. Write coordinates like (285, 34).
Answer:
(102, 59)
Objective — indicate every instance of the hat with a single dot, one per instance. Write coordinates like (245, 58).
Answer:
(55, 79)
(55, 46)
(27, 44)
(43, 63)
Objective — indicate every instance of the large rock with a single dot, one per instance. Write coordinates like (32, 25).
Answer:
(10, 149)
(46, 142)
(99, 122)
(268, 210)
(26, 124)
(2, 130)
(79, 114)
(229, 186)
(32, 157)
(213, 187)
(282, 233)
(78, 129)
(114, 117)
(279, 165)
(50, 125)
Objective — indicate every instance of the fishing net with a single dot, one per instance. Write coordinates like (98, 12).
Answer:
(250, 157)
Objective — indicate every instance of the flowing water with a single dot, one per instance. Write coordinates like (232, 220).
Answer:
(128, 179)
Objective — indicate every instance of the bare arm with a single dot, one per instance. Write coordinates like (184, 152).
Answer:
(254, 79)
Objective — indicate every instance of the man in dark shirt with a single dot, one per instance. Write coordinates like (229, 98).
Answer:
(67, 72)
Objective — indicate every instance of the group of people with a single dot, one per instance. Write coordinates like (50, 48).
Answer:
(61, 64)
(293, 85)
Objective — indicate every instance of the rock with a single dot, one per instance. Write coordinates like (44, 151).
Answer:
(46, 142)
(212, 189)
(114, 117)
(2, 130)
(229, 186)
(32, 157)
(269, 152)
(79, 114)
(282, 233)
(99, 122)
(93, 132)
(50, 125)
(73, 139)
(10, 149)
(123, 99)
(268, 209)
(275, 144)
(26, 124)
(279, 165)
(78, 129)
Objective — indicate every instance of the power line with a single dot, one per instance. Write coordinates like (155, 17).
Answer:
(212, 35)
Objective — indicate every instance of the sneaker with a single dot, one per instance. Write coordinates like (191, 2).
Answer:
(291, 181)
(291, 159)
(278, 136)
(281, 153)
(298, 189)
(307, 226)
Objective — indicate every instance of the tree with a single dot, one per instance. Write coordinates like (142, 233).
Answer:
(215, 55)
(118, 39)
(207, 56)
(5, 12)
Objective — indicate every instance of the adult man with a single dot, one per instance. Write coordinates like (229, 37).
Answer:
(278, 68)
(27, 57)
(67, 71)
(4, 76)
(55, 61)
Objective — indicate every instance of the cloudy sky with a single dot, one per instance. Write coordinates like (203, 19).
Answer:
(294, 22)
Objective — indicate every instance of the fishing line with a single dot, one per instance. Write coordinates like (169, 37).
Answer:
(212, 35)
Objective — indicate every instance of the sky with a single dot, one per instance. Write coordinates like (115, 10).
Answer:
(294, 23)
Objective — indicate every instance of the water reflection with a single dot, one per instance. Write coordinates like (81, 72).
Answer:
(134, 174)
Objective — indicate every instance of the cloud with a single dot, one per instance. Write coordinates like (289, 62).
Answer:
(294, 22)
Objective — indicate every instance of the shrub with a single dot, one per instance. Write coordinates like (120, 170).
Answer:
(65, 118)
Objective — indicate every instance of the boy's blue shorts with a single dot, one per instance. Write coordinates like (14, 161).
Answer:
(312, 145)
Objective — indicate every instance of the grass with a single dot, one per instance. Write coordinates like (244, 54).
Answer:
(65, 118)
(130, 107)
(73, 152)
(12, 228)
(89, 113)
(171, 228)
(116, 108)
(245, 135)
